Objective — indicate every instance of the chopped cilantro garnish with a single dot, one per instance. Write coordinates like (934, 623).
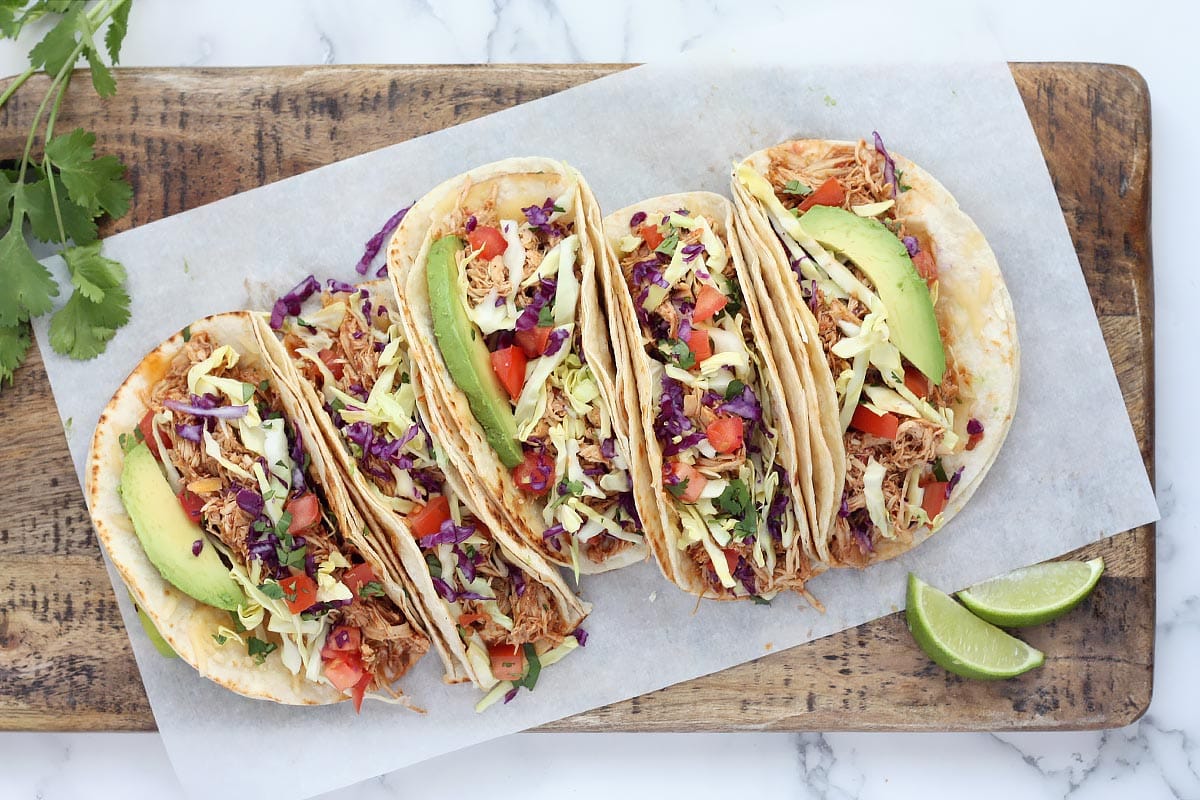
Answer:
(259, 649)
(435, 564)
(668, 245)
(220, 638)
(545, 316)
(248, 391)
(797, 188)
(237, 623)
(264, 385)
(678, 489)
(734, 292)
(571, 487)
(738, 504)
(533, 668)
(187, 333)
(370, 589)
(678, 351)
(760, 601)
(734, 389)
(939, 471)
(272, 590)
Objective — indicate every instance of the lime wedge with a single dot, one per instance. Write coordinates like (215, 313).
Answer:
(1033, 595)
(961, 642)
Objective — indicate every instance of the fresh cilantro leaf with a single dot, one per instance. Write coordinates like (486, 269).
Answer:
(43, 222)
(58, 45)
(738, 504)
(92, 274)
(187, 333)
(533, 668)
(247, 391)
(678, 351)
(571, 488)
(272, 590)
(797, 188)
(679, 489)
(102, 79)
(14, 344)
(95, 183)
(558, 209)
(115, 34)
(370, 589)
(760, 601)
(434, 564)
(939, 471)
(405, 378)
(237, 623)
(28, 285)
(545, 316)
(259, 649)
(734, 389)
(668, 245)
(220, 638)
(81, 328)
(7, 190)
(733, 291)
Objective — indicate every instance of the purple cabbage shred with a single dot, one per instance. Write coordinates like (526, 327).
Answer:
(889, 165)
(289, 304)
(375, 243)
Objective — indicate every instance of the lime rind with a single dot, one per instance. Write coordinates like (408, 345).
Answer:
(962, 643)
(1033, 595)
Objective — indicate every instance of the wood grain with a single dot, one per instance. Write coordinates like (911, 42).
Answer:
(194, 136)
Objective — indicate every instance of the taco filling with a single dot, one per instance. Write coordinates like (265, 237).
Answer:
(519, 279)
(352, 351)
(871, 280)
(240, 470)
(717, 436)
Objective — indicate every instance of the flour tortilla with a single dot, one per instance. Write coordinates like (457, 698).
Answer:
(394, 531)
(521, 181)
(974, 310)
(779, 388)
(185, 623)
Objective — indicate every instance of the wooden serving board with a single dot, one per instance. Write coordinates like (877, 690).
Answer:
(194, 136)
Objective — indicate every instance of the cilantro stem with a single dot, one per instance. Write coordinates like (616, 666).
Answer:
(16, 84)
(47, 165)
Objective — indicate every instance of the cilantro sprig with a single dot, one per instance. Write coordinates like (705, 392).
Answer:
(62, 191)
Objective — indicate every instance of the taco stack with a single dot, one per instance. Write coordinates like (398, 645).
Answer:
(494, 606)
(896, 299)
(217, 504)
(496, 276)
(724, 484)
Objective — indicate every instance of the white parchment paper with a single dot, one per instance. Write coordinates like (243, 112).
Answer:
(1069, 474)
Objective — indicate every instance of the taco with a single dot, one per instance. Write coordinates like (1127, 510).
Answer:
(495, 273)
(900, 305)
(216, 503)
(721, 462)
(496, 610)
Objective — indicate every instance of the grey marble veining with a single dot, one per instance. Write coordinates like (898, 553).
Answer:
(1157, 757)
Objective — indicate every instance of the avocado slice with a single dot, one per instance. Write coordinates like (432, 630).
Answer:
(883, 258)
(167, 535)
(160, 644)
(465, 353)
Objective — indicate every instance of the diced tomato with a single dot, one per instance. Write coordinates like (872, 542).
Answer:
(725, 434)
(192, 503)
(708, 302)
(299, 592)
(533, 341)
(359, 691)
(466, 620)
(305, 511)
(490, 239)
(650, 235)
(344, 671)
(935, 498)
(732, 558)
(973, 439)
(829, 193)
(926, 266)
(335, 364)
(508, 661)
(351, 639)
(356, 577)
(509, 366)
(685, 472)
(700, 345)
(429, 519)
(146, 426)
(916, 381)
(868, 421)
(535, 474)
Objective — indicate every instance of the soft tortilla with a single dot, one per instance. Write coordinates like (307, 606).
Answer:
(522, 181)
(782, 388)
(974, 309)
(185, 623)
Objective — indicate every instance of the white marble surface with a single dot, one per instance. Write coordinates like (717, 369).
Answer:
(1157, 757)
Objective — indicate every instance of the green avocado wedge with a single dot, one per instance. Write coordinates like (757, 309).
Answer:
(160, 644)
(466, 354)
(168, 535)
(884, 259)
